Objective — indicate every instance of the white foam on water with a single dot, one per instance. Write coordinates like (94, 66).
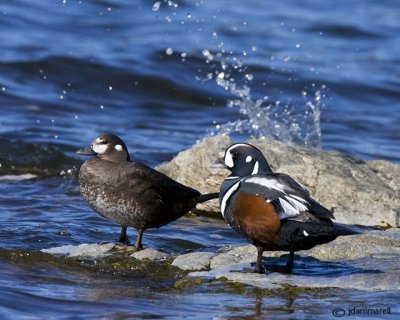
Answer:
(17, 177)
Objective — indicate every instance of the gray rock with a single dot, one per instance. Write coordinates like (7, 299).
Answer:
(192, 168)
(359, 192)
(364, 262)
(222, 260)
(91, 251)
(194, 261)
(150, 254)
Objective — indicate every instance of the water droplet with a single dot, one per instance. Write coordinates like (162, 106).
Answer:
(169, 51)
(221, 75)
(189, 15)
(156, 6)
(172, 4)
(298, 45)
(110, 88)
(101, 107)
(208, 54)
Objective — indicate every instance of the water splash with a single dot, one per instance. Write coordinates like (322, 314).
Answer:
(263, 118)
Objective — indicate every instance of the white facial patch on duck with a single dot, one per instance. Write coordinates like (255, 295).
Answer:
(228, 159)
(255, 169)
(228, 155)
(249, 158)
(305, 233)
(118, 147)
(99, 148)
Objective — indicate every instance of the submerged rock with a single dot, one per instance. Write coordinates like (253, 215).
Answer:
(21, 160)
(359, 192)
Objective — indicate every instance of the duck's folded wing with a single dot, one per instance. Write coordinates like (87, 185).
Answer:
(289, 197)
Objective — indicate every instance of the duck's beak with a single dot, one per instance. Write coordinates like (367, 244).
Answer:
(219, 164)
(87, 151)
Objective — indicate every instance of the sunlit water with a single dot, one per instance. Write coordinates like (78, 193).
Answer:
(163, 75)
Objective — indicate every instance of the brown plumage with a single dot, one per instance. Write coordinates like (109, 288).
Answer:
(131, 193)
(257, 220)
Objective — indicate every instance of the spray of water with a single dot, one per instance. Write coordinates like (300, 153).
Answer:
(263, 118)
(287, 122)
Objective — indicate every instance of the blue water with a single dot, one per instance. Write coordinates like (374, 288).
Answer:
(163, 75)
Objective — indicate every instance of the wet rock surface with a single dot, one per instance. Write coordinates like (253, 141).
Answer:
(359, 192)
(364, 262)
(194, 261)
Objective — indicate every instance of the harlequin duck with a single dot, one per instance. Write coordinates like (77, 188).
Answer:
(272, 210)
(131, 193)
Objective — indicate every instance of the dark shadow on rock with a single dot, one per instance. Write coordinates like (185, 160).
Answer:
(312, 267)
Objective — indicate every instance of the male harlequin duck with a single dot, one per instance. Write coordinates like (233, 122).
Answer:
(131, 193)
(272, 210)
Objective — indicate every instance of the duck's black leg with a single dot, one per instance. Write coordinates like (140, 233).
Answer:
(138, 244)
(259, 266)
(289, 263)
(123, 237)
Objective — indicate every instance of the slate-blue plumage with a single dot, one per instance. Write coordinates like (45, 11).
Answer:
(272, 210)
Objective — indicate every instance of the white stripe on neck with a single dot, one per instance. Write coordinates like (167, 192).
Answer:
(227, 195)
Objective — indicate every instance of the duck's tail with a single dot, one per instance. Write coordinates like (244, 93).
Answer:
(347, 230)
(207, 196)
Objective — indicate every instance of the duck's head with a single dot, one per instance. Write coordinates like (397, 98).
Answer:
(107, 147)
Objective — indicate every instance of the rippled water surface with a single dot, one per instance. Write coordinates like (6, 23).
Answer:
(163, 75)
